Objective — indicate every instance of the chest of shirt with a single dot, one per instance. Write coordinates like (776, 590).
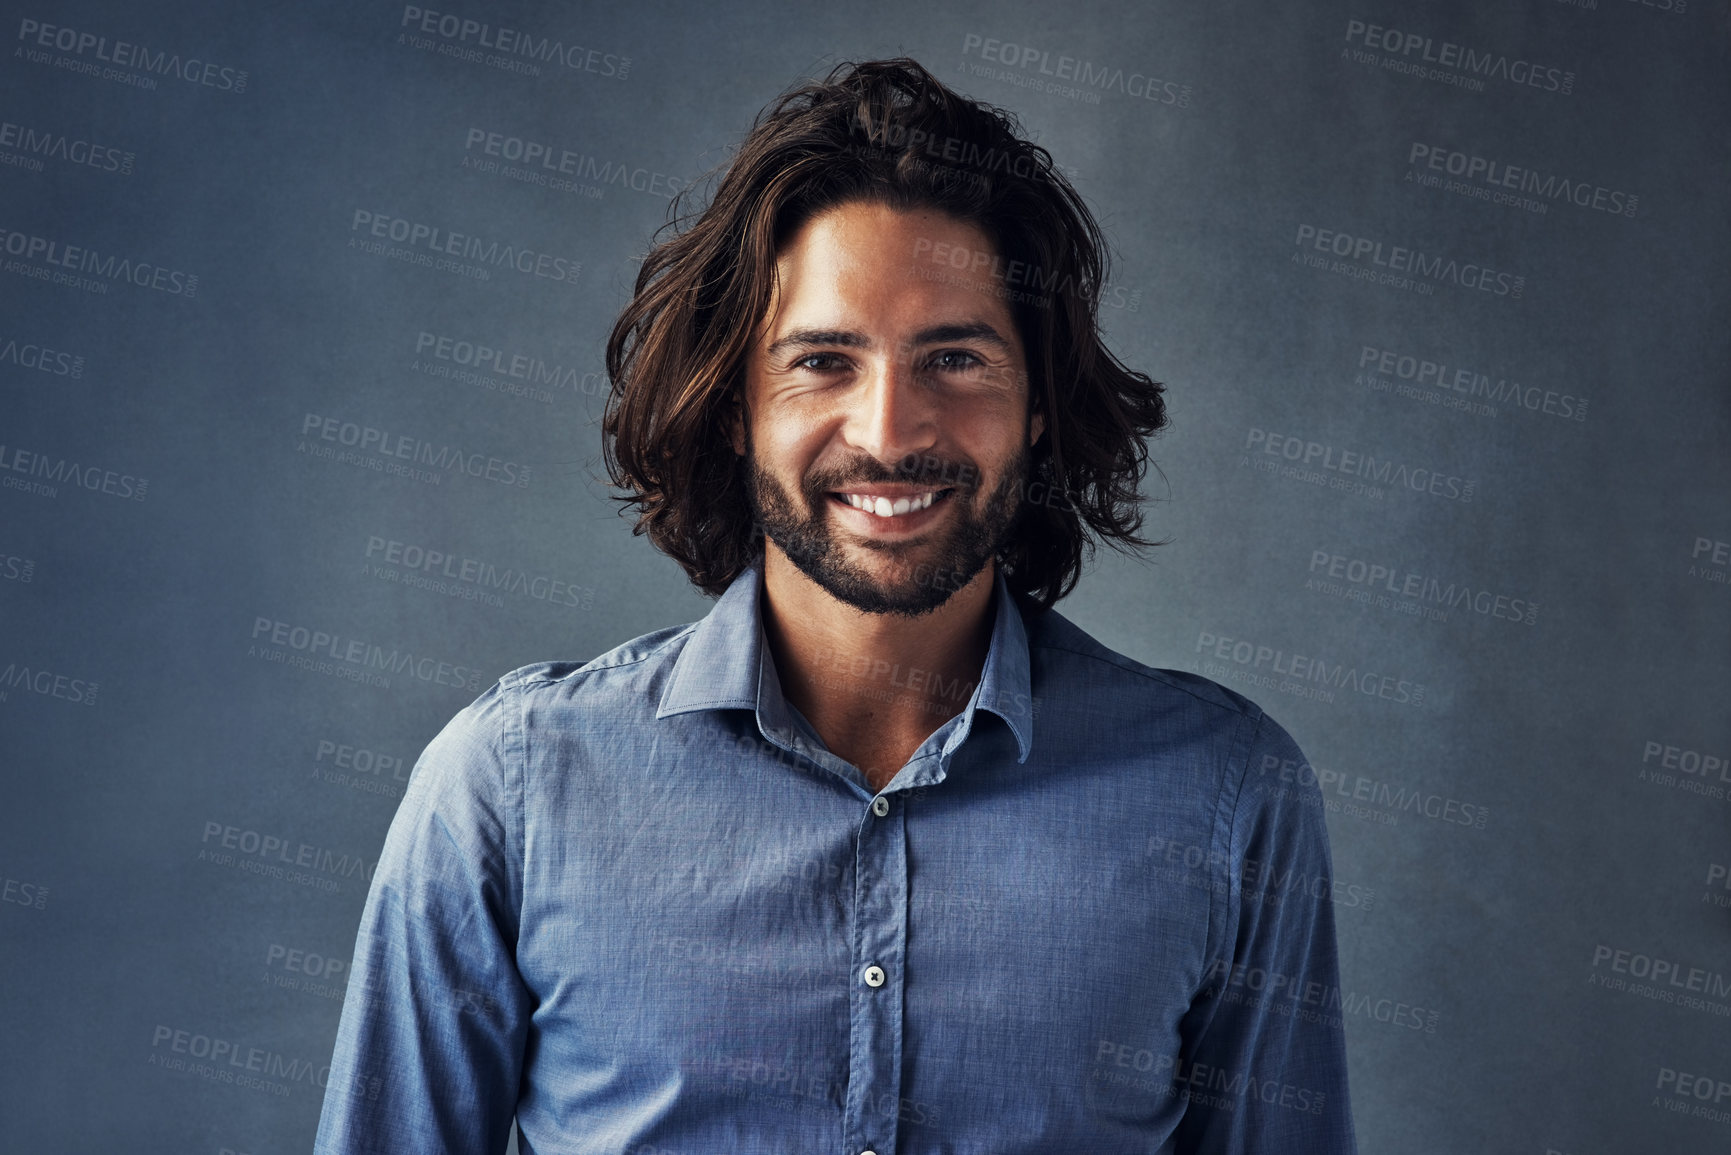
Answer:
(706, 917)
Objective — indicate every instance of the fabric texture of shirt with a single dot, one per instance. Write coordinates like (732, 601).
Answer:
(637, 905)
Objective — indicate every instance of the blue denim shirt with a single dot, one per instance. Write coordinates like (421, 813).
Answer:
(638, 905)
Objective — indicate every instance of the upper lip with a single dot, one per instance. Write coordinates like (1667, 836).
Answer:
(891, 491)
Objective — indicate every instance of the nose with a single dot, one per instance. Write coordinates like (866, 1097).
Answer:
(894, 414)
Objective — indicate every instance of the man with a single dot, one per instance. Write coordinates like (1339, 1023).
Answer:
(883, 855)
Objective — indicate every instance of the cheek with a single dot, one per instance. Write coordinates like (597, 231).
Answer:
(785, 454)
(793, 440)
(1002, 436)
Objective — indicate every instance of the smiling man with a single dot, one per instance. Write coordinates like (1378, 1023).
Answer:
(867, 359)
(883, 855)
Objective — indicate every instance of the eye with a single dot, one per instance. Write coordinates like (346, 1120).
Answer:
(971, 362)
(805, 362)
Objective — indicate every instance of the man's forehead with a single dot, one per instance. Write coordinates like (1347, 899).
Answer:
(840, 242)
(861, 223)
(929, 284)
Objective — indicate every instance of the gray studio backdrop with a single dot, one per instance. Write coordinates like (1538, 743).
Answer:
(301, 320)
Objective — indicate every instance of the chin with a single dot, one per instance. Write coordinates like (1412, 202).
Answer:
(874, 584)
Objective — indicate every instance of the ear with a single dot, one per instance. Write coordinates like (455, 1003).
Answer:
(736, 423)
(1036, 409)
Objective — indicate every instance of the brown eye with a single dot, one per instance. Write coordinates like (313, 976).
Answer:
(971, 362)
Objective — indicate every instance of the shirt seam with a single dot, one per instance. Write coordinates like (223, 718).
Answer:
(719, 703)
(591, 668)
(517, 758)
(1243, 742)
(1153, 675)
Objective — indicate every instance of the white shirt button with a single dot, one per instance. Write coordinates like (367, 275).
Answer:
(868, 1153)
(880, 807)
(874, 976)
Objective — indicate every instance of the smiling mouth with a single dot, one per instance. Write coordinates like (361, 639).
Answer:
(888, 507)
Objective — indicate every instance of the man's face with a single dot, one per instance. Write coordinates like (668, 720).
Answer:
(886, 420)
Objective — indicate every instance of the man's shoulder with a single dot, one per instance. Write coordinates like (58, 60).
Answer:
(1186, 719)
(1069, 654)
(646, 653)
(633, 670)
(622, 685)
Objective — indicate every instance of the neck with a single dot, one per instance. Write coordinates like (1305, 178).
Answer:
(874, 686)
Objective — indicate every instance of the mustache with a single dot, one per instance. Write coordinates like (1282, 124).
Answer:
(923, 469)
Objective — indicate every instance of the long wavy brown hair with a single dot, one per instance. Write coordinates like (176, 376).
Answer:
(885, 131)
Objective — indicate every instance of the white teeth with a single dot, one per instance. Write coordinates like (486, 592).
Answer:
(884, 507)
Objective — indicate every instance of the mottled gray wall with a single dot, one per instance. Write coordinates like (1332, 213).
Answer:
(1441, 300)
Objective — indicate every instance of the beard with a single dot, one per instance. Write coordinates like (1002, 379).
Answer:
(950, 562)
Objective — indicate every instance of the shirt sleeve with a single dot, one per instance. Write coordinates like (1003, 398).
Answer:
(429, 1048)
(1263, 1060)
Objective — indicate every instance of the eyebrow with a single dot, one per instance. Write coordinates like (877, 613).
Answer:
(852, 339)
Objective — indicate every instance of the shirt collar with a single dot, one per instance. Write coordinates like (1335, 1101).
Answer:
(726, 664)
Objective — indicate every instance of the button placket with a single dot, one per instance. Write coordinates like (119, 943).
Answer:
(879, 942)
